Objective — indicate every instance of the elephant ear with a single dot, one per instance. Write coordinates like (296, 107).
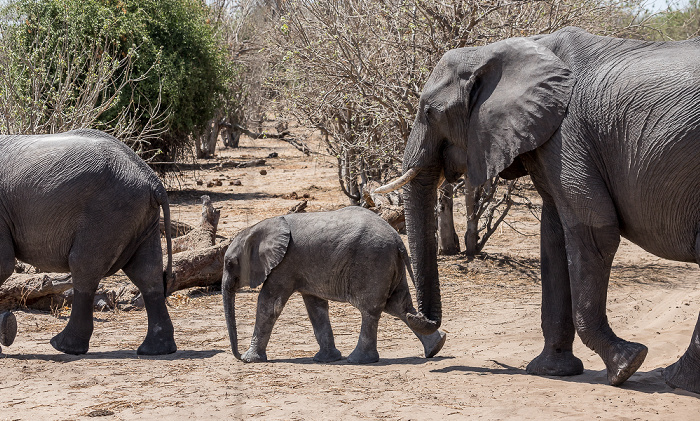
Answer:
(265, 247)
(518, 97)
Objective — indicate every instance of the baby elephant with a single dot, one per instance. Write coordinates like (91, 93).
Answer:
(349, 255)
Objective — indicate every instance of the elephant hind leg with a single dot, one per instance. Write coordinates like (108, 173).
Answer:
(145, 270)
(366, 350)
(399, 305)
(591, 251)
(685, 373)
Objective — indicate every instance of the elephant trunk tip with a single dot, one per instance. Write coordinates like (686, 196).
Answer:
(421, 324)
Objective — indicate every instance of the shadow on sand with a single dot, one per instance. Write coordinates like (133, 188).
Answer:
(651, 381)
(115, 355)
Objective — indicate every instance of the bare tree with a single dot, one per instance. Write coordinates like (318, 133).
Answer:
(355, 68)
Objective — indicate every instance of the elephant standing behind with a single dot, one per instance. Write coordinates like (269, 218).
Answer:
(83, 202)
(609, 131)
(349, 255)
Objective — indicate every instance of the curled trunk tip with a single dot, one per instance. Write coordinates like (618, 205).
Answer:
(399, 182)
(421, 324)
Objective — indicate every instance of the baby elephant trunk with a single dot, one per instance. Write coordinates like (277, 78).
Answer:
(421, 324)
(229, 298)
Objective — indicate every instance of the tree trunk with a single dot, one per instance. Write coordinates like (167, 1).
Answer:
(448, 240)
(209, 137)
(471, 237)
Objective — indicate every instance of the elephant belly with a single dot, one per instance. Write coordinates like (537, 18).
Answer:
(667, 228)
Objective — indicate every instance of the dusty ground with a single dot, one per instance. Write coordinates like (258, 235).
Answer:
(491, 316)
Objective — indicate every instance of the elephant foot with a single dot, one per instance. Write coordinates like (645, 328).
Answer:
(327, 355)
(159, 346)
(359, 357)
(8, 328)
(433, 343)
(252, 356)
(684, 374)
(69, 344)
(627, 357)
(555, 363)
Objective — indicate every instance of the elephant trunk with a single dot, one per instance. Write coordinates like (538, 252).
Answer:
(228, 292)
(420, 195)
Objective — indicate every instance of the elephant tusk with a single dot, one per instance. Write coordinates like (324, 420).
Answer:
(399, 182)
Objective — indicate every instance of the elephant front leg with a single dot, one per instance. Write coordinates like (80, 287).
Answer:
(591, 251)
(270, 305)
(366, 350)
(8, 328)
(557, 357)
(318, 314)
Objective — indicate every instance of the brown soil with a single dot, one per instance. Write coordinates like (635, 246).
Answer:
(491, 316)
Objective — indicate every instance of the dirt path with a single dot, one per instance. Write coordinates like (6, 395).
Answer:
(491, 314)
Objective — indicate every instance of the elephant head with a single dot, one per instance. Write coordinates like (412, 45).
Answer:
(250, 258)
(480, 109)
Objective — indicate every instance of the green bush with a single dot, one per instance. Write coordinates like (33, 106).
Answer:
(165, 54)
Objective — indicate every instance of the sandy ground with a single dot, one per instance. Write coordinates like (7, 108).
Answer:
(491, 316)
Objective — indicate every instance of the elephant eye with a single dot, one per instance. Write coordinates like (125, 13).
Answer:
(429, 112)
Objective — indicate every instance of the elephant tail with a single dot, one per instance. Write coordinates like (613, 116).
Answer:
(168, 276)
(407, 262)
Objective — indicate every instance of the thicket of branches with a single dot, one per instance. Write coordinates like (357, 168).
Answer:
(675, 23)
(355, 68)
(148, 71)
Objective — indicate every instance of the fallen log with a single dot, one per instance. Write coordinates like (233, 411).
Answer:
(299, 207)
(177, 228)
(27, 290)
(205, 234)
(394, 215)
(198, 268)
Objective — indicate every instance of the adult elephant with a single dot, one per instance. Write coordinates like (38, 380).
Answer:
(609, 131)
(83, 202)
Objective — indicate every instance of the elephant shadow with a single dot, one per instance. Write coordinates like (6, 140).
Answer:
(125, 354)
(381, 363)
(643, 381)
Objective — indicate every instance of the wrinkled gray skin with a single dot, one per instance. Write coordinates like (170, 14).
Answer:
(609, 131)
(349, 255)
(83, 202)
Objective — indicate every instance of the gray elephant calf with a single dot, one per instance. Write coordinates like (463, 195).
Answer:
(83, 202)
(348, 255)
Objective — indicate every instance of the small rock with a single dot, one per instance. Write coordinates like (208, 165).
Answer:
(200, 182)
(236, 183)
(273, 155)
(138, 301)
(101, 413)
(263, 172)
(210, 184)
